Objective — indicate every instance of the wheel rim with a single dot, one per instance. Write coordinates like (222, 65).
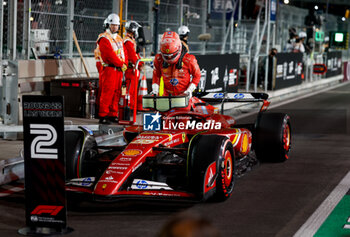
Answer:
(228, 170)
(286, 138)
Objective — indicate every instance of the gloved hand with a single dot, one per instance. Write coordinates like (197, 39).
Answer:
(190, 89)
(124, 67)
(155, 89)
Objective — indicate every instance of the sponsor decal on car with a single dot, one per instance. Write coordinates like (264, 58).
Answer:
(218, 95)
(109, 181)
(148, 184)
(172, 142)
(123, 164)
(83, 182)
(132, 152)
(142, 184)
(143, 141)
(117, 168)
(125, 159)
(136, 167)
(161, 194)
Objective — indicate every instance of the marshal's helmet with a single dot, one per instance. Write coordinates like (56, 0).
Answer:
(133, 27)
(170, 47)
(113, 19)
(183, 31)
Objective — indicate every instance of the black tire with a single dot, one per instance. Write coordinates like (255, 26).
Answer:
(272, 138)
(204, 150)
(79, 147)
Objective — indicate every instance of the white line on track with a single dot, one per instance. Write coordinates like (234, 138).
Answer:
(315, 221)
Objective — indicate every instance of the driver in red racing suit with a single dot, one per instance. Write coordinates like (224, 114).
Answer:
(179, 69)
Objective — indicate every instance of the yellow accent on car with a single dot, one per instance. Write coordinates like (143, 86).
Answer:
(245, 143)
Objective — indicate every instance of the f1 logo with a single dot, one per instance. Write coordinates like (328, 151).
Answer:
(39, 147)
(52, 210)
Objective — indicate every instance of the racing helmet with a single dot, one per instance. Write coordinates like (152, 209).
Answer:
(183, 31)
(133, 26)
(170, 47)
(113, 19)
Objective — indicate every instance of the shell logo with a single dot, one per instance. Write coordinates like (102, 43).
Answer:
(104, 186)
(245, 143)
(132, 152)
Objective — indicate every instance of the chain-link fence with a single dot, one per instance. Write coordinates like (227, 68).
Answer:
(50, 23)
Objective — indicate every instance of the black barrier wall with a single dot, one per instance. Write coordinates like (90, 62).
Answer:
(287, 70)
(43, 131)
(217, 70)
(333, 63)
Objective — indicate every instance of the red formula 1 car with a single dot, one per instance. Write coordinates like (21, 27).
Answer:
(177, 154)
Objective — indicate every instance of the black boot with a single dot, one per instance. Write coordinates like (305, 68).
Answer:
(104, 120)
(113, 119)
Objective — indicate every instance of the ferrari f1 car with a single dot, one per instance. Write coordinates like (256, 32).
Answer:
(192, 154)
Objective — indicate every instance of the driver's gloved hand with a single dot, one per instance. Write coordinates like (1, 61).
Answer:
(155, 89)
(190, 89)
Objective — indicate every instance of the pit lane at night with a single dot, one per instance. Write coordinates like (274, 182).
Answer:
(272, 200)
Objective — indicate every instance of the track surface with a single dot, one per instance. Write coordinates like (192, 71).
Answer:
(271, 200)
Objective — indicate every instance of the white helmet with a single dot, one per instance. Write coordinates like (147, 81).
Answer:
(183, 31)
(133, 27)
(302, 34)
(113, 19)
(105, 24)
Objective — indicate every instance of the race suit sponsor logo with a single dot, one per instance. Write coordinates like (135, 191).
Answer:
(174, 81)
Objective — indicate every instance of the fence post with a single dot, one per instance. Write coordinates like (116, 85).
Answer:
(70, 27)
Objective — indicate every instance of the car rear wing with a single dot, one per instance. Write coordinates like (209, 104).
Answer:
(233, 97)
(222, 97)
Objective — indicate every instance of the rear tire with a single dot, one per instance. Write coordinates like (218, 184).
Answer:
(272, 140)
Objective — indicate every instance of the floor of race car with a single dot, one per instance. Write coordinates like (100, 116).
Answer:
(306, 195)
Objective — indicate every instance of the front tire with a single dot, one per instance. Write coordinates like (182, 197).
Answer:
(203, 152)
